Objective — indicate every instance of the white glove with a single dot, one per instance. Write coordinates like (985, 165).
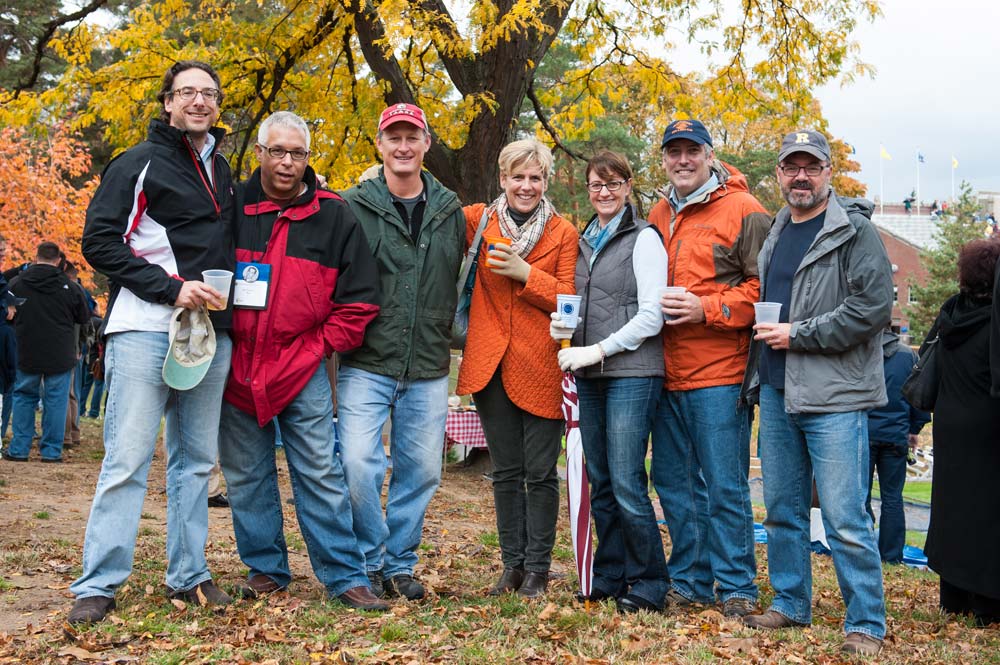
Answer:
(557, 329)
(575, 357)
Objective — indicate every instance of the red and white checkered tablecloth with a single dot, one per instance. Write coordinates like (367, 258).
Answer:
(463, 427)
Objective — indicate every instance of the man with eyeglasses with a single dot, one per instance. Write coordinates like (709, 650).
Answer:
(416, 229)
(818, 373)
(306, 287)
(712, 228)
(162, 214)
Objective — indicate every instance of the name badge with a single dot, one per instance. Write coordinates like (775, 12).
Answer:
(253, 282)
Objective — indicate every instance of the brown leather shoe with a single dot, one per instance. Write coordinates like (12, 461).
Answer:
(771, 620)
(257, 586)
(534, 585)
(210, 594)
(861, 644)
(510, 581)
(362, 598)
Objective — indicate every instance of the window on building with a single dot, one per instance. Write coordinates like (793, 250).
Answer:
(910, 298)
(895, 294)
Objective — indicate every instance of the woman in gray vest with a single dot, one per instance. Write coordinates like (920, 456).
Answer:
(617, 357)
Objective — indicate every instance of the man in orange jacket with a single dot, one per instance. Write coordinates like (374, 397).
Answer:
(713, 229)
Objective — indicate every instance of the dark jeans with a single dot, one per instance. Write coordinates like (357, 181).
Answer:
(890, 460)
(8, 408)
(524, 450)
(616, 416)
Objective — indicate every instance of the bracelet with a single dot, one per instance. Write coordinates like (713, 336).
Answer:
(603, 356)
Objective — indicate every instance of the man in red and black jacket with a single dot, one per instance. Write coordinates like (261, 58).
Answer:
(306, 287)
(162, 214)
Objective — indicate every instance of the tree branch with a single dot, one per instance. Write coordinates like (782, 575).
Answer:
(540, 114)
(46, 36)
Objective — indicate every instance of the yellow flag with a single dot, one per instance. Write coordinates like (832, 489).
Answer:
(883, 153)
(954, 163)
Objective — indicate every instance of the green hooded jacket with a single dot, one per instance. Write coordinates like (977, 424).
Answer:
(411, 334)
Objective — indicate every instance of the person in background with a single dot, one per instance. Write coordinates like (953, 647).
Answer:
(47, 328)
(515, 381)
(8, 348)
(963, 538)
(892, 432)
(617, 356)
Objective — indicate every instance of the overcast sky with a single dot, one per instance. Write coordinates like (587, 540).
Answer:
(937, 88)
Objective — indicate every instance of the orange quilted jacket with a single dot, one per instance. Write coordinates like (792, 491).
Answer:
(509, 321)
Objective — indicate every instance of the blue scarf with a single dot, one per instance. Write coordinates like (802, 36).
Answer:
(597, 237)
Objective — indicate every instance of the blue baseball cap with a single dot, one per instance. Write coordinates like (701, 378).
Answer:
(692, 130)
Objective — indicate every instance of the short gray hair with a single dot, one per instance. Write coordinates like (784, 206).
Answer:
(282, 119)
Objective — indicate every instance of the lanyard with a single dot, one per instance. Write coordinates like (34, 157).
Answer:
(198, 167)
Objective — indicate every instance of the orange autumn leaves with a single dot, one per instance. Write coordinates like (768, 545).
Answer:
(44, 192)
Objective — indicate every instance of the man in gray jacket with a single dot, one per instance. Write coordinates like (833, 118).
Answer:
(819, 370)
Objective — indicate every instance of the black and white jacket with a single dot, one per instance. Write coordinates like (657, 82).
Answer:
(158, 219)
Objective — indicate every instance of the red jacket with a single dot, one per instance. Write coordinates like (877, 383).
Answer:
(323, 293)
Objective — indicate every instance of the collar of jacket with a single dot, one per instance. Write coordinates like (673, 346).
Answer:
(836, 225)
(718, 170)
(626, 224)
(161, 132)
(374, 193)
(255, 202)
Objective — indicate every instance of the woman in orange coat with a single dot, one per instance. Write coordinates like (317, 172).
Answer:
(510, 365)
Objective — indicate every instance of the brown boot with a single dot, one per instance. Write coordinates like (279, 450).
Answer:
(257, 586)
(861, 644)
(362, 598)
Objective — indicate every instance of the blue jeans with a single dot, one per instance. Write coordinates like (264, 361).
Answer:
(137, 400)
(833, 447)
(319, 489)
(6, 411)
(55, 402)
(615, 419)
(701, 459)
(890, 459)
(418, 409)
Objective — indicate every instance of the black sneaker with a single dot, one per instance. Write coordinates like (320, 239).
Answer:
(218, 501)
(376, 583)
(403, 585)
(90, 610)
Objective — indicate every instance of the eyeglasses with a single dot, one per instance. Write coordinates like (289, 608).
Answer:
(812, 170)
(612, 186)
(188, 93)
(279, 153)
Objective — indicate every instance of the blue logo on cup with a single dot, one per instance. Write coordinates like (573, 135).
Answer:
(568, 308)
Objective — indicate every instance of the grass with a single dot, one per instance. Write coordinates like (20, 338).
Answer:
(915, 491)
(42, 515)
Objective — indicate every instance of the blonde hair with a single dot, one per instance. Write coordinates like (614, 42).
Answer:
(526, 151)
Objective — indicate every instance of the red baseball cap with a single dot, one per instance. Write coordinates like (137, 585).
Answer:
(402, 113)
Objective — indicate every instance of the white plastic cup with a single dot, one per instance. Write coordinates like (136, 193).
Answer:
(569, 309)
(671, 291)
(220, 280)
(767, 312)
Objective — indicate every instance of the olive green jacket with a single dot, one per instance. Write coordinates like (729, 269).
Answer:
(410, 336)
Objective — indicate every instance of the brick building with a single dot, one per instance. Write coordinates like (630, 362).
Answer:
(904, 236)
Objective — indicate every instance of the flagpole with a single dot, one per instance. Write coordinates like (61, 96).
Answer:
(953, 180)
(881, 181)
(918, 182)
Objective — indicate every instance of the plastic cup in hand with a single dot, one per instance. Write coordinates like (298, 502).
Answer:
(767, 312)
(671, 291)
(492, 242)
(569, 309)
(220, 280)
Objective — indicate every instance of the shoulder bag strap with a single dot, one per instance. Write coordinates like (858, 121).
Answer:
(473, 255)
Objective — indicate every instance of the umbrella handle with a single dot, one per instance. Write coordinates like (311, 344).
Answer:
(564, 343)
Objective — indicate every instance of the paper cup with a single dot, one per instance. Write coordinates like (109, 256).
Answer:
(767, 312)
(671, 291)
(569, 309)
(221, 281)
(492, 242)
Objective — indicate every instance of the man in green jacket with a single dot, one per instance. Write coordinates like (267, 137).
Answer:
(416, 231)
